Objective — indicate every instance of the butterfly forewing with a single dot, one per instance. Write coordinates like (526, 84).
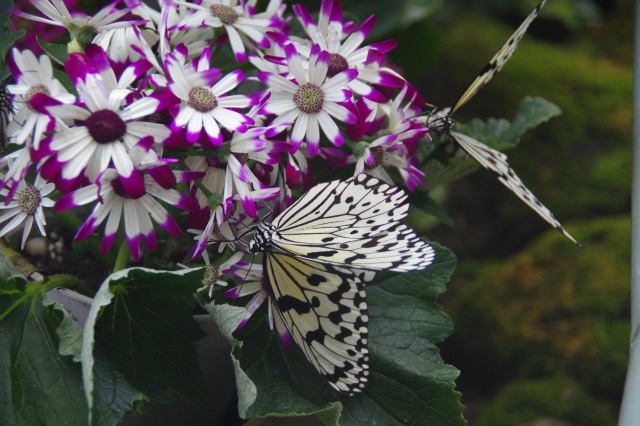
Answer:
(342, 210)
(496, 162)
(497, 62)
(324, 308)
(353, 223)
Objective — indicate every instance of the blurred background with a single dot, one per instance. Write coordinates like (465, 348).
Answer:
(542, 327)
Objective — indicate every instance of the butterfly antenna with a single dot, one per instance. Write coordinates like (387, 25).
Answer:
(239, 237)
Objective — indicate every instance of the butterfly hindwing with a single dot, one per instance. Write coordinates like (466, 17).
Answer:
(499, 59)
(496, 162)
(324, 308)
(352, 223)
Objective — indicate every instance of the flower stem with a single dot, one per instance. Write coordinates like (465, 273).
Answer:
(124, 254)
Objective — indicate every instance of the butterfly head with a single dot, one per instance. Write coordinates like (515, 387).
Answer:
(439, 121)
(261, 238)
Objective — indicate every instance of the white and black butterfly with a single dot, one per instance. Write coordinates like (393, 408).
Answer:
(6, 113)
(317, 256)
(441, 121)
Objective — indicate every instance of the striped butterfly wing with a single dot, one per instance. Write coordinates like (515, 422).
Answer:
(324, 308)
(354, 223)
(497, 62)
(6, 112)
(496, 162)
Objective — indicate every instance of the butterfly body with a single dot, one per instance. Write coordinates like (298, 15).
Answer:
(317, 257)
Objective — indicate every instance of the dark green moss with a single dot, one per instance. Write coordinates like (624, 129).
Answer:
(551, 309)
(557, 398)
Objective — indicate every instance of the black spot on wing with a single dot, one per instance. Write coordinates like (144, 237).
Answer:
(286, 303)
(316, 279)
(317, 254)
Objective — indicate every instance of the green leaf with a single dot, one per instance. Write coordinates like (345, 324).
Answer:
(227, 318)
(442, 170)
(501, 134)
(70, 335)
(286, 383)
(38, 385)
(139, 342)
(7, 37)
(409, 381)
(7, 270)
(424, 202)
(57, 52)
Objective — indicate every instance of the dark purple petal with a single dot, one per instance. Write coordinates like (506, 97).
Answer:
(182, 49)
(98, 57)
(171, 226)
(303, 14)
(86, 229)
(350, 73)
(40, 102)
(325, 57)
(336, 11)
(78, 66)
(189, 175)
(163, 175)
(367, 26)
(65, 203)
(374, 96)
(134, 246)
(291, 51)
(150, 240)
(292, 174)
(107, 240)
(140, 67)
(384, 46)
(390, 80)
(211, 75)
(315, 52)
(187, 203)
(133, 185)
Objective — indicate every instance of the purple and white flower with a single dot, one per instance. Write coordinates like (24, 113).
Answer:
(311, 99)
(239, 21)
(104, 131)
(204, 101)
(26, 207)
(213, 272)
(79, 25)
(343, 44)
(114, 204)
(34, 76)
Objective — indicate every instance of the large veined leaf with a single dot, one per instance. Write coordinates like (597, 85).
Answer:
(140, 335)
(409, 381)
(37, 384)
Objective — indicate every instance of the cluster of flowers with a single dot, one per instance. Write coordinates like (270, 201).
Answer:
(145, 109)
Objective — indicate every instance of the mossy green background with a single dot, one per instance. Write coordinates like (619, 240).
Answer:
(542, 327)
